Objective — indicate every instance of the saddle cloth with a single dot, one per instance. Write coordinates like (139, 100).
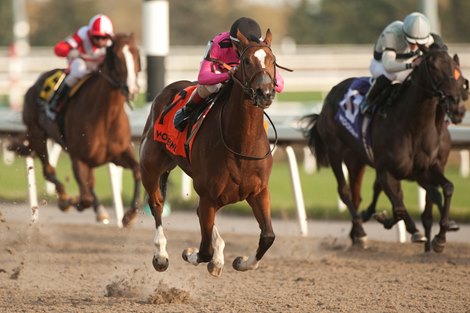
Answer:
(178, 143)
(53, 82)
(349, 116)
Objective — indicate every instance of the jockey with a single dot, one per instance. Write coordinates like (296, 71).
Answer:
(84, 50)
(223, 48)
(396, 54)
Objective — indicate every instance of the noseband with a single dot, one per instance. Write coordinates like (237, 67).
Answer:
(245, 84)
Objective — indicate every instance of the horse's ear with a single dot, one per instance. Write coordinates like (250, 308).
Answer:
(243, 40)
(457, 59)
(424, 49)
(268, 37)
(132, 38)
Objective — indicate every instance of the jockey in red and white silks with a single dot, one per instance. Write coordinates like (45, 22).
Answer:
(86, 48)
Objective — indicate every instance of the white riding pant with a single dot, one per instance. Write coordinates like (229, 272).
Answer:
(205, 91)
(377, 69)
(78, 69)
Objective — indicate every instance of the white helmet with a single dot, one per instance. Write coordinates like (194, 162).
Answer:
(100, 25)
(417, 28)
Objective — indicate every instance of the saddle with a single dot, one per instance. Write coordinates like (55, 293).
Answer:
(53, 82)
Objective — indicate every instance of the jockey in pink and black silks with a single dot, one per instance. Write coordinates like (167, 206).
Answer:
(222, 49)
(84, 50)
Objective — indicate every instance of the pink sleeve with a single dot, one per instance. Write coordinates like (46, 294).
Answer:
(279, 82)
(207, 77)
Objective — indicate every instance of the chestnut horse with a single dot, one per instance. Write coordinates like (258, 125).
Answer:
(95, 127)
(231, 159)
(405, 140)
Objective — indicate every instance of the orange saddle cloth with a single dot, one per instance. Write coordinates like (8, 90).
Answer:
(176, 142)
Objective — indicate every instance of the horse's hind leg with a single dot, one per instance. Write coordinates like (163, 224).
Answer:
(128, 160)
(37, 140)
(102, 215)
(155, 168)
(371, 209)
(357, 234)
(261, 207)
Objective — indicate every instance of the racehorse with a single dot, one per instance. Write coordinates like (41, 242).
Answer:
(230, 160)
(95, 127)
(404, 139)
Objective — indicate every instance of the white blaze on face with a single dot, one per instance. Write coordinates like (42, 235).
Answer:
(131, 76)
(261, 55)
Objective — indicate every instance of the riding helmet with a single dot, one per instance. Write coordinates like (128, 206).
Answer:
(100, 25)
(248, 27)
(417, 28)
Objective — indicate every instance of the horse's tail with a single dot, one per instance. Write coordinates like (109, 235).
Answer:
(315, 143)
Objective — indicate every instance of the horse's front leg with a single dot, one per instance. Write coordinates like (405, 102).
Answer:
(212, 245)
(439, 241)
(102, 215)
(261, 207)
(85, 180)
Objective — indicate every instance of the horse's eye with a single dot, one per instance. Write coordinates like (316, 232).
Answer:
(246, 61)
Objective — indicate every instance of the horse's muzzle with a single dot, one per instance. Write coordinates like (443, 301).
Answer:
(264, 97)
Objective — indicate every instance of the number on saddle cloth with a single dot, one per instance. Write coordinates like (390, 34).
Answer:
(50, 86)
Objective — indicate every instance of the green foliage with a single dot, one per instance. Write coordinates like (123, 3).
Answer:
(195, 22)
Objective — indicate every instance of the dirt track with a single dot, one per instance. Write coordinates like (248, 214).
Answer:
(66, 267)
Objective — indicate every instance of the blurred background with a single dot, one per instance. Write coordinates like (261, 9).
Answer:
(324, 41)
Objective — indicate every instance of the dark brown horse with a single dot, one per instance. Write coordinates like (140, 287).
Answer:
(405, 140)
(230, 159)
(433, 196)
(95, 126)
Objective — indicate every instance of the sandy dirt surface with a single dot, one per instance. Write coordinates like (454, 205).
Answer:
(82, 267)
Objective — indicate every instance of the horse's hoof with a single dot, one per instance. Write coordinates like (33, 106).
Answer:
(438, 245)
(190, 255)
(453, 226)
(129, 219)
(381, 217)
(237, 263)
(102, 215)
(64, 204)
(160, 264)
(360, 242)
(243, 263)
(418, 238)
(214, 270)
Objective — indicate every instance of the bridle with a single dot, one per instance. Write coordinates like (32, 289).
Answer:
(244, 83)
(444, 100)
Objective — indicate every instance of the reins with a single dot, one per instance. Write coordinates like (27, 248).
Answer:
(249, 157)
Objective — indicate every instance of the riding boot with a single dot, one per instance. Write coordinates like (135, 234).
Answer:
(57, 98)
(379, 85)
(182, 115)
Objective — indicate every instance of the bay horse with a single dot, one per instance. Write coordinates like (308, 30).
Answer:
(230, 160)
(95, 127)
(405, 139)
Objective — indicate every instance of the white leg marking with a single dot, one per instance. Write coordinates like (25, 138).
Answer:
(160, 243)
(249, 263)
(218, 244)
(131, 76)
(261, 55)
